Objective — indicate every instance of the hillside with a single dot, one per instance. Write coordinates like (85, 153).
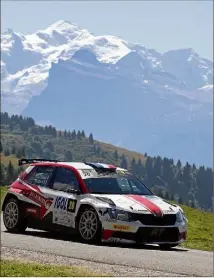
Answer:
(21, 137)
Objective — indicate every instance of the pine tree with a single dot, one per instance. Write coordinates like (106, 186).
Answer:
(78, 135)
(91, 139)
(73, 135)
(180, 201)
(123, 163)
(116, 155)
(18, 153)
(134, 166)
(83, 134)
(1, 149)
(13, 150)
(2, 174)
(49, 146)
(47, 154)
(22, 151)
(6, 152)
(68, 155)
(10, 172)
(166, 195)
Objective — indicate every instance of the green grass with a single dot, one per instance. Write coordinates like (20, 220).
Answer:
(200, 229)
(26, 269)
(3, 191)
(6, 159)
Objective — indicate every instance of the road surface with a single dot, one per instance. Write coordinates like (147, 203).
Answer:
(147, 260)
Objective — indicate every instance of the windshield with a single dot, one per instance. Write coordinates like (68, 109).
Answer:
(116, 185)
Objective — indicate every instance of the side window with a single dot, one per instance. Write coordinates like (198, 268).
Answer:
(124, 185)
(65, 179)
(40, 175)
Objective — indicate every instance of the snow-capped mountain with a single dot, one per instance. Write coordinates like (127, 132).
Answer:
(26, 60)
(168, 96)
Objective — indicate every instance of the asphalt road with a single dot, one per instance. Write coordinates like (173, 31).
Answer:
(179, 261)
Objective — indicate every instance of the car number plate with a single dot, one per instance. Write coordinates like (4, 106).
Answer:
(157, 232)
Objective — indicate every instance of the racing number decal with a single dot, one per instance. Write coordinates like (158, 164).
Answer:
(71, 205)
(65, 204)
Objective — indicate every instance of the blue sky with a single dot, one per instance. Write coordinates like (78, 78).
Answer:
(161, 25)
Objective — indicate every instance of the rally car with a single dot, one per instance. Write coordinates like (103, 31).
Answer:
(94, 201)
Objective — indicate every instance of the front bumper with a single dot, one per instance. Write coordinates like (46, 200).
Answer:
(135, 231)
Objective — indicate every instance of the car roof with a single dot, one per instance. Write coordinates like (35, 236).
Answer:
(80, 165)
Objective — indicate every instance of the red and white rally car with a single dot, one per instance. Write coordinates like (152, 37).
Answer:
(93, 200)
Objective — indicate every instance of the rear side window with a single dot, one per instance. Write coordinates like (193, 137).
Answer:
(40, 175)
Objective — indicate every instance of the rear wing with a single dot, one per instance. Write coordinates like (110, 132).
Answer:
(24, 161)
(102, 167)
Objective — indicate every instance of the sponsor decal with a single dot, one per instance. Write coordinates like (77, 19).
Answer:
(168, 212)
(153, 208)
(31, 210)
(65, 204)
(37, 198)
(87, 173)
(121, 227)
(111, 220)
(63, 218)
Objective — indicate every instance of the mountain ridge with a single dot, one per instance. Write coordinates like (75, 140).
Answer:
(158, 99)
(60, 41)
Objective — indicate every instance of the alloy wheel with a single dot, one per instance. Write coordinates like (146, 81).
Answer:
(88, 225)
(11, 215)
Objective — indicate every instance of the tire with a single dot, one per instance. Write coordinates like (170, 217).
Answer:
(13, 217)
(167, 246)
(89, 226)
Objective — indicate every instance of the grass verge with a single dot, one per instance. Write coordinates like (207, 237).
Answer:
(3, 191)
(26, 269)
(6, 159)
(200, 229)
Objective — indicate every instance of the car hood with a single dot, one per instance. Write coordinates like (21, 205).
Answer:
(139, 203)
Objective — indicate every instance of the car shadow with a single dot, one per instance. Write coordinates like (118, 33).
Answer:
(118, 244)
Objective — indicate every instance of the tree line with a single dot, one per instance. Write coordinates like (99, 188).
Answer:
(171, 180)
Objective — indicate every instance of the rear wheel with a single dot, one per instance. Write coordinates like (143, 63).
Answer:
(167, 246)
(89, 226)
(13, 216)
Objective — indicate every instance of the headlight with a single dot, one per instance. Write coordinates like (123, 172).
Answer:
(180, 217)
(119, 215)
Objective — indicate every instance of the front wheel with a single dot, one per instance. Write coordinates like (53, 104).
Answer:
(13, 217)
(167, 246)
(89, 226)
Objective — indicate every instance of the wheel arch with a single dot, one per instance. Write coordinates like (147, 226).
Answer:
(82, 207)
(8, 196)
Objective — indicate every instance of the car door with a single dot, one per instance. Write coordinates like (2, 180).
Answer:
(65, 191)
(39, 181)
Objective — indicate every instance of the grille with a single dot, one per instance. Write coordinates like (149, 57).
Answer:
(158, 234)
(151, 220)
